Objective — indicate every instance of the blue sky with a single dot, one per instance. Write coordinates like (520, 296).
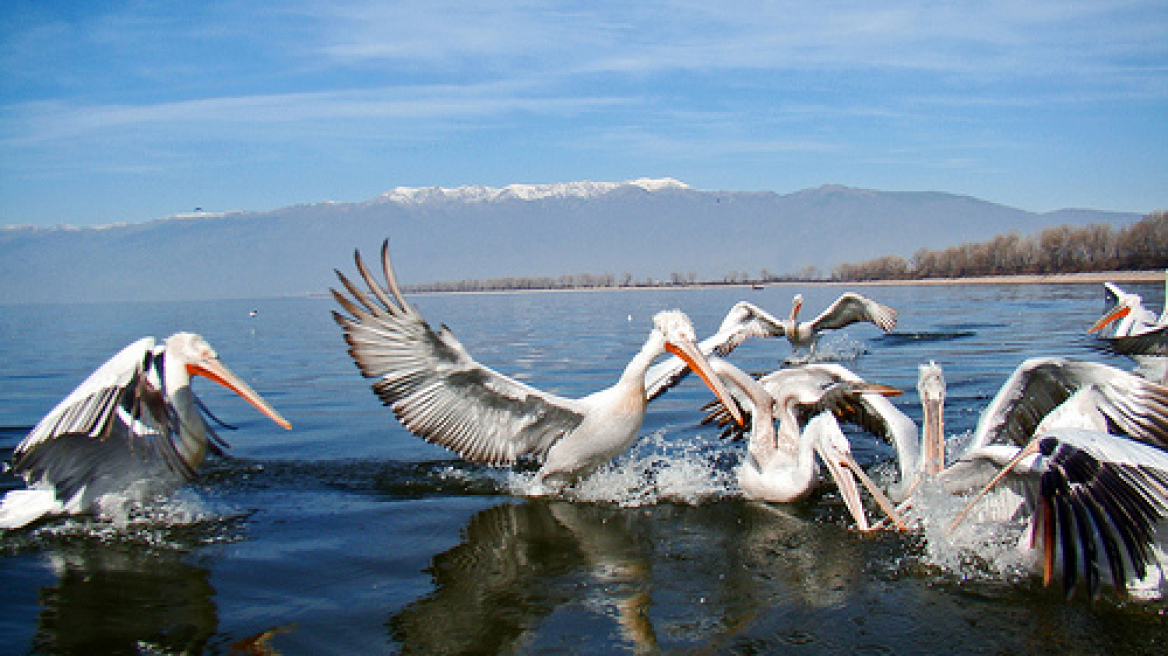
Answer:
(127, 111)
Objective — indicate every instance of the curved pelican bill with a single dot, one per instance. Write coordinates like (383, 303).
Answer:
(1115, 315)
(693, 358)
(215, 370)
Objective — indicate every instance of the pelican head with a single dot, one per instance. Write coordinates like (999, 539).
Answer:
(198, 359)
(796, 305)
(681, 340)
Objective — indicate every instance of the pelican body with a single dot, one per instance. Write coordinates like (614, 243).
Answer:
(1137, 333)
(132, 430)
(1085, 444)
(780, 464)
(439, 392)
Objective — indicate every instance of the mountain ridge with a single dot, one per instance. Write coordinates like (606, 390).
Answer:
(649, 227)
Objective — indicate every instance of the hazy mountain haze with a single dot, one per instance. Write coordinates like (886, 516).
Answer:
(647, 228)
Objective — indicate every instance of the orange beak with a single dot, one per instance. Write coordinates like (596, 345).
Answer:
(1116, 314)
(694, 359)
(218, 372)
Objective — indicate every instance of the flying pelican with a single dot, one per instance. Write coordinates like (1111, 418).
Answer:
(1091, 494)
(133, 428)
(780, 465)
(441, 394)
(746, 320)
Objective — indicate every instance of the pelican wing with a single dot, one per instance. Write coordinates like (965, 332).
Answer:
(1132, 405)
(743, 321)
(1100, 497)
(1153, 342)
(110, 425)
(850, 308)
(436, 389)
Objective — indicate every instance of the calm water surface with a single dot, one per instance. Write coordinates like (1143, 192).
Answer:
(349, 535)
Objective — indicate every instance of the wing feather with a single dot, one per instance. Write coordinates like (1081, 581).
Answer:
(435, 388)
(1136, 406)
(1103, 493)
(850, 308)
(113, 429)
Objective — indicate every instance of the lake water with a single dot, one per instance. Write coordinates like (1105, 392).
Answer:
(349, 535)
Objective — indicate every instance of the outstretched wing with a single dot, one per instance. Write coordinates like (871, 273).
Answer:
(115, 425)
(850, 308)
(1132, 405)
(1153, 343)
(1099, 500)
(436, 389)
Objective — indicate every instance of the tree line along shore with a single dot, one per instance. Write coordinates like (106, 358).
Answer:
(1092, 253)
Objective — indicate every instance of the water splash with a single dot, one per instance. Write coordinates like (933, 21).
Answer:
(991, 545)
(660, 468)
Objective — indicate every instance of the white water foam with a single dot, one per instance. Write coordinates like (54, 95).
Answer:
(656, 469)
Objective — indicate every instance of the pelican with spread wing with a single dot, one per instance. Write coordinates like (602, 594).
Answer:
(746, 320)
(440, 393)
(130, 431)
(1086, 443)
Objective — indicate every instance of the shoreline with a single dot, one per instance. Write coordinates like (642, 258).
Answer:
(1092, 277)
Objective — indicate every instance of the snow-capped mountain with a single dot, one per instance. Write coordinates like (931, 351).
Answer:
(528, 192)
(646, 228)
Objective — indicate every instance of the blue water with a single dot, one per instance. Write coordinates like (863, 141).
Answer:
(349, 535)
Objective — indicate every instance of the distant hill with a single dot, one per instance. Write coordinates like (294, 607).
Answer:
(645, 228)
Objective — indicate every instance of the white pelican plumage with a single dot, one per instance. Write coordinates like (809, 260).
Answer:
(1138, 333)
(132, 429)
(1053, 391)
(1129, 311)
(442, 395)
(746, 320)
(1095, 502)
(780, 465)
(1093, 497)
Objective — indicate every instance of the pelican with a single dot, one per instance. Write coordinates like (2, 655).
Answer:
(1044, 392)
(745, 320)
(441, 394)
(1095, 501)
(132, 429)
(1093, 497)
(780, 465)
(872, 412)
(1129, 311)
(1138, 333)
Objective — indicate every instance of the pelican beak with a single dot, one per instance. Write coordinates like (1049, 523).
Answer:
(845, 470)
(1030, 449)
(845, 482)
(1118, 313)
(878, 495)
(933, 439)
(215, 370)
(875, 388)
(693, 358)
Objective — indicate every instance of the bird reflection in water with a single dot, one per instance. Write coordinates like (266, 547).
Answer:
(125, 599)
(529, 574)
